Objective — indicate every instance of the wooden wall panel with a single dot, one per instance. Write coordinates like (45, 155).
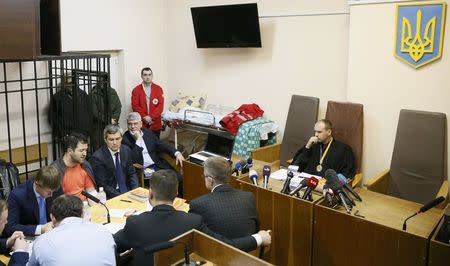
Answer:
(19, 29)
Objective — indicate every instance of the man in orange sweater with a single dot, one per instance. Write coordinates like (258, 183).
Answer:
(75, 172)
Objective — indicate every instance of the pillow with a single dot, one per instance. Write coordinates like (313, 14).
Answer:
(183, 101)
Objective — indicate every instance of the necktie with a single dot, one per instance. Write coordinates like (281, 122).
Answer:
(119, 175)
(42, 211)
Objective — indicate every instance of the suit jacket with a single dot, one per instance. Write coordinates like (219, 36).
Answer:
(162, 224)
(23, 209)
(153, 144)
(105, 172)
(17, 258)
(228, 211)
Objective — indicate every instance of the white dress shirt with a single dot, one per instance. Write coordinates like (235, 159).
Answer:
(74, 242)
(146, 156)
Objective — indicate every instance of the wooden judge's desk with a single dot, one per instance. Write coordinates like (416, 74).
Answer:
(373, 236)
(310, 233)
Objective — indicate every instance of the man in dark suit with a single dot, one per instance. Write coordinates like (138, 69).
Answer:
(227, 211)
(29, 203)
(163, 223)
(16, 242)
(112, 164)
(145, 147)
(140, 139)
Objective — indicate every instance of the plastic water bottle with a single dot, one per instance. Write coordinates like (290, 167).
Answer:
(93, 193)
(86, 211)
(101, 195)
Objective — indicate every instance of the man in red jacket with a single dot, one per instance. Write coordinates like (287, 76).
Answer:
(147, 99)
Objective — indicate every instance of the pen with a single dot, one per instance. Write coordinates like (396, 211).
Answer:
(124, 200)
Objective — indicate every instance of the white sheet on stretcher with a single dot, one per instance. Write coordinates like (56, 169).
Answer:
(201, 117)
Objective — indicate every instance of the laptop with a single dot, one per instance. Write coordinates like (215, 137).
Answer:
(215, 146)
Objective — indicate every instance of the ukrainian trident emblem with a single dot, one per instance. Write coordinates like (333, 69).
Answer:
(420, 31)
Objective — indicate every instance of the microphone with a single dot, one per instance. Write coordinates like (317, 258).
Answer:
(425, 208)
(253, 177)
(287, 182)
(236, 169)
(169, 244)
(247, 165)
(333, 183)
(328, 194)
(343, 182)
(341, 189)
(311, 184)
(300, 186)
(266, 173)
(431, 204)
(97, 200)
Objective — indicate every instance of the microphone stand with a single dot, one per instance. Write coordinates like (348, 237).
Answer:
(187, 260)
(404, 223)
(108, 217)
(97, 200)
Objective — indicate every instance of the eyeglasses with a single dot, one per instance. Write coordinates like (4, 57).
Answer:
(133, 124)
(205, 176)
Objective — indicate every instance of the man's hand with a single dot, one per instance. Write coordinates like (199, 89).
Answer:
(16, 235)
(179, 159)
(135, 133)
(266, 237)
(148, 120)
(20, 244)
(46, 227)
(312, 141)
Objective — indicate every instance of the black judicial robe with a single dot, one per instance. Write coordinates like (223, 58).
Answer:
(339, 158)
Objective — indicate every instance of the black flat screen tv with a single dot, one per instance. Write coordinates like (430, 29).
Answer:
(226, 26)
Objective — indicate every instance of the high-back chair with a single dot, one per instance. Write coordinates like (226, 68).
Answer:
(302, 116)
(418, 165)
(348, 121)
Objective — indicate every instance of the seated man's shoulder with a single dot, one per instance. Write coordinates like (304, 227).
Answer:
(194, 219)
(342, 145)
(21, 189)
(98, 153)
(125, 148)
(235, 191)
(188, 217)
(201, 199)
(127, 137)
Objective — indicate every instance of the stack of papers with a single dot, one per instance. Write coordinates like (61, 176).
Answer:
(114, 227)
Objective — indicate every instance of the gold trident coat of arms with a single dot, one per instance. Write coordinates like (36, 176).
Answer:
(420, 32)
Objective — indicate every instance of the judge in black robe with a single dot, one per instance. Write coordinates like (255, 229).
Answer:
(339, 156)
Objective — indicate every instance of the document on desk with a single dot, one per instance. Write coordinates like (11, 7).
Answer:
(120, 213)
(282, 174)
(114, 227)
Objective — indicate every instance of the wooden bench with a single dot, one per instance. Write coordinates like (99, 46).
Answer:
(18, 158)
